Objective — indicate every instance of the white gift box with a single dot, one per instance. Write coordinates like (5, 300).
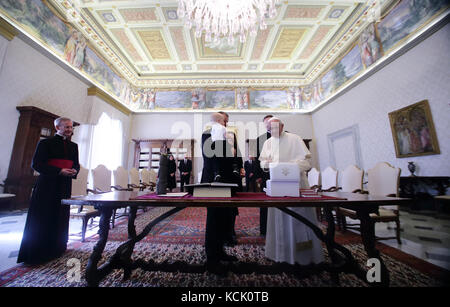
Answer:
(284, 171)
(282, 188)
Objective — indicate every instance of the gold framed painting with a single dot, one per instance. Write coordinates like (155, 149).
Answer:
(413, 131)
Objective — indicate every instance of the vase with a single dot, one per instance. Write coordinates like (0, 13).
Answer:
(412, 168)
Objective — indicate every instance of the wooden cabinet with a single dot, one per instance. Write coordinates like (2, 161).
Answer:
(34, 124)
(422, 190)
(148, 151)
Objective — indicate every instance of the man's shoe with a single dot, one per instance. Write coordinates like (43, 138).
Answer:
(228, 258)
(217, 178)
(231, 242)
(216, 267)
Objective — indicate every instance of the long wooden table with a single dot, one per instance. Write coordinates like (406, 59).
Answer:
(342, 259)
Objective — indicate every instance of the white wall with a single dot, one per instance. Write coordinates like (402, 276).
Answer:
(28, 78)
(190, 126)
(421, 73)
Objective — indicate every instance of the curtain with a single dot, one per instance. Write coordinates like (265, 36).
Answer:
(107, 144)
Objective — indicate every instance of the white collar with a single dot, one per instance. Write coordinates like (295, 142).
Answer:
(61, 135)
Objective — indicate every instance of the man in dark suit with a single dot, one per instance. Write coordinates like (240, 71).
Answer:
(47, 227)
(251, 174)
(264, 176)
(185, 168)
(217, 218)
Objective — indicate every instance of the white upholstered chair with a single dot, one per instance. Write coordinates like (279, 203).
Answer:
(85, 213)
(101, 177)
(351, 181)
(329, 180)
(314, 178)
(314, 183)
(120, 179)
(79, 185)
(135, 182)
(383, 180)
(148, 178)
(153, 177)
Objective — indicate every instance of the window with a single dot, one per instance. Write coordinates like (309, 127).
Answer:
(107, 143)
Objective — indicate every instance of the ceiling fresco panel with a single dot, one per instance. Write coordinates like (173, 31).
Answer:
(303, 12)
(141, 15)
(287, 43)
(180, 43)
(315, 41)
(125, 42)
(260, 43)
(154, 43)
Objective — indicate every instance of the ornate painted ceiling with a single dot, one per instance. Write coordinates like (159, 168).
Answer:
(139, 53)
(148, 41)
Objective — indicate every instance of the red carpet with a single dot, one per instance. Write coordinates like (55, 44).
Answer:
(188, 227)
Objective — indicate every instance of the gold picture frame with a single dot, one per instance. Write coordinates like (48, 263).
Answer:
(413, 131)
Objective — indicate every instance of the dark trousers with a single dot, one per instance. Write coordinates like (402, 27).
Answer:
(250, 185)
(184, 180)
(217, 229)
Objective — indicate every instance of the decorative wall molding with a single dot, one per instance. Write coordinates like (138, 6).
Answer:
(351, 132)
(95, 91)
(7, 30)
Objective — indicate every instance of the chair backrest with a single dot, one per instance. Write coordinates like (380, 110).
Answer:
(79, 185)
(101, 177)
(329, 178)
(383, 179)
(313, 177)
(121, 177)
(145, 175)
(134, 177)
(352, 179)
(153, 176)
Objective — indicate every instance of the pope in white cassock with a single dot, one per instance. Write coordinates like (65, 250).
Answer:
(287, 239)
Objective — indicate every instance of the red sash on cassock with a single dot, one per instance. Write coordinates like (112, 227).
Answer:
(61, 163)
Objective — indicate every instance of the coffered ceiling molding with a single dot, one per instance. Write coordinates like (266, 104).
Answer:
(316, 48)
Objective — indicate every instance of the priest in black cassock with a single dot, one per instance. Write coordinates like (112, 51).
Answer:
(47, 226)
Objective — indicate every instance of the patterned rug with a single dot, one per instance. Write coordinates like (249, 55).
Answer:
(188, 227)
(405, 270)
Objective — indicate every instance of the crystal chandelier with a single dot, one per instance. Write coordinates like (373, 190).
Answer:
(226, 18)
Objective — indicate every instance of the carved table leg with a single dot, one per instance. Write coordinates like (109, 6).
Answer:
(92, 273)
(126, 256)
(368, 239)
(329, 241)
(131, 219)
